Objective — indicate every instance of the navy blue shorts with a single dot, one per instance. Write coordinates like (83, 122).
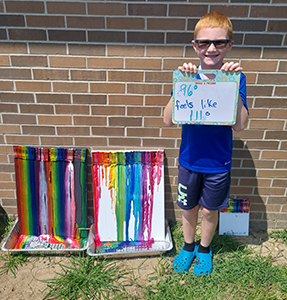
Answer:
(211, 191)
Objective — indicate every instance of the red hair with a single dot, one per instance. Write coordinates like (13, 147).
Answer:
(214, 20)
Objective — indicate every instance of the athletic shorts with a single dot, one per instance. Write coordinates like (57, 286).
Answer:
(211, 191)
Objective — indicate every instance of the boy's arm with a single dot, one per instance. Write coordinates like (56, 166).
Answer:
(167, 113)
(241, 116)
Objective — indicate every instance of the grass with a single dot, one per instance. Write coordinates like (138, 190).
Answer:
(279, 235)
(240, 272)
(86, 278)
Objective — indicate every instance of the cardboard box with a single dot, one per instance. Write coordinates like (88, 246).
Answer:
(234, 220)
(234, 223)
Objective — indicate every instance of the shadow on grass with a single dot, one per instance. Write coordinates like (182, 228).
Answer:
(219, 243)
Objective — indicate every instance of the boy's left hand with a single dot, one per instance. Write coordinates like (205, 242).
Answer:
(231, 66)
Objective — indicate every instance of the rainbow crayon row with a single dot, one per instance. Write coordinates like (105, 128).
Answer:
(237, 206)
(51, 191)
(133, 175)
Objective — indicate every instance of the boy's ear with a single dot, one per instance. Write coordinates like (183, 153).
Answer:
(230, 44)
(194, 45)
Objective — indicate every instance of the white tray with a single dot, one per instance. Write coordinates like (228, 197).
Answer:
(136, 248)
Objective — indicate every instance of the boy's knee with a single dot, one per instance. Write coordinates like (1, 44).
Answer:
(209, 215)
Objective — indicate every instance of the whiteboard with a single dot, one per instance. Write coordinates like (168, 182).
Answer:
(205, 101)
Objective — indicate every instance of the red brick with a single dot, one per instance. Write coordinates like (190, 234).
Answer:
(156, 100)
(143, 64)
(55, 120)
(124, 141)
(39, 86)
(147, 9)
(125, 100)
(139, 37)
(272, 79)
(101, 36)
(107, 87)
(43, 48)
(125, 76)
(74, 8)
(89, 99)
(76, 87)
(162, 76)
(8, 108)
(73, 130)
(86, 22)
(95, 50)
(88, 141)
(163, 51)
(108, 110)
(45, 21)
(179, 10)
(270, 102)
(108, 131)
(67, 35)
(171, 132)
(27, 34)
(125, 23)
(38, 130)
(267, 12)
(53, 98)
(4, 60)
(10, 48)
(106, 9)
(72, 109)
(86, 120)
(65, 61)
(17, 97)
(158, 143)
(143, 111)
(143, 132)
(10, 129)
(36, 109)
(88, 75)
(232, 10)
(25, 7)
(125, 121)
(261, 65)
(165, 24)
(105, 62)
(18, 119)
(22, 140)
(153, 122)
(6, 86)
(280, 91)
(262, 144)
(278, 113)
(144, 88)
(50, 74)
(15, 73)
(56, 141)
(121, 50)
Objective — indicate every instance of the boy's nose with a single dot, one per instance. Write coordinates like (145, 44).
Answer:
(211, 47)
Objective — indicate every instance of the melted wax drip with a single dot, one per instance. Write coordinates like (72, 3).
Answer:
(132, 179)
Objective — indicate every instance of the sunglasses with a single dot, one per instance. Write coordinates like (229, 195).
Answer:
(218, 44)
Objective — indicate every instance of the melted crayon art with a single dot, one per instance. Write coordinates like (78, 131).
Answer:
(128, 198)
(51, 197)
(237, 206)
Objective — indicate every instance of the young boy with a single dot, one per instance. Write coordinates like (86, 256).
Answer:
(206, 150)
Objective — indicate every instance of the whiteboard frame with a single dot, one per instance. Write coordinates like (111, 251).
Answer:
(220, 77)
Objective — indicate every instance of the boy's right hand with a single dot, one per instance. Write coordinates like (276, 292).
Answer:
(188, 68)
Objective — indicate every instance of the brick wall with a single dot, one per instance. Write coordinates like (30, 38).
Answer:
(98, 74)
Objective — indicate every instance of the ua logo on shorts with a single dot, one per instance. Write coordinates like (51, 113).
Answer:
(181, 195)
